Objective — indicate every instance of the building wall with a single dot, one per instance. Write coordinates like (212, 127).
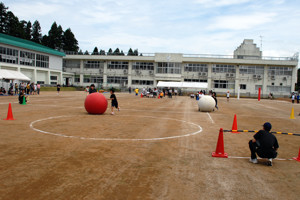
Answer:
(41, 74)
(233, 81)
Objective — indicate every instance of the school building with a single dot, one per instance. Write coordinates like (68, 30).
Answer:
(40, 64)
(244, 72)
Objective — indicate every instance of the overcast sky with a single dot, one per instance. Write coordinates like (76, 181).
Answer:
(171, 26)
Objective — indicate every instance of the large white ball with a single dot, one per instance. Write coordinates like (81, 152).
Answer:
(206, 103)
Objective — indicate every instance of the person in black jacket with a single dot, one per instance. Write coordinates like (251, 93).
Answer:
(114, 101)
(92, 89)
(265, 144)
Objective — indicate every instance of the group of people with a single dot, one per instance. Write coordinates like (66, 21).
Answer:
(295, 97)
(15, 89)
(155, 92)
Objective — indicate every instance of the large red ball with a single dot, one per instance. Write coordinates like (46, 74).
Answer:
(95, 103)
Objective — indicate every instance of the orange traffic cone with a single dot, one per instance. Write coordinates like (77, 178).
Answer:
(220, 147)
(234, 125)
(9, 113)
(298, 158)
(158, 96)
(141, 95)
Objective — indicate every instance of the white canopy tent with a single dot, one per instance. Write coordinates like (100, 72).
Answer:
(182, 85)
(12, 75)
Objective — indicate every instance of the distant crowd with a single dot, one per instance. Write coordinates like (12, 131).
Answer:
(27, 88)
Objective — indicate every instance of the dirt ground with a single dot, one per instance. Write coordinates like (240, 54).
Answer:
(151, 149)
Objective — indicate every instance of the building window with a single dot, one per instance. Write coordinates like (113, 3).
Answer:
(27, 58)
(251, 70)
(243, 86)
(223, 68)
(168, 68)
(8, 55)
(143, 66)
(195, 80)
(53, 78)
(40, 82)
(93, 64)
(77, 78)
(96, 79)
(71, 63)
(142, 82)
(117, 65)
(284, 71)
(224, 84)
(277, 89)
(53, 83)
(117, 80)
(189, 67)
(42, 61)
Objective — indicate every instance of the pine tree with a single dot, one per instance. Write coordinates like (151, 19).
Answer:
(135, 53)
(14, 27)
(116, 52)
(95, 52)
(70, 42)
(36, 32)
(122, 53)
(130, 52)
(3, 18)
(102, 52)
(80, 52)
(55, 37)
(110, 52)
(86, 53)
(27, 30)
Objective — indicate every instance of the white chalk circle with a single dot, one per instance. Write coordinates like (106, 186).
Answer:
(206, 103)
(116, 139)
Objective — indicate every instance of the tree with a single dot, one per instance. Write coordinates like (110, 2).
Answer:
(70, 42)
(122, 53)
(102, 52)
(14, 27)
(95, 52)
(86, 53)
(110, 52)
(136, 53)
(3, 18)
(130, 52)
(55, 37)
(116, 52)
(80, 52)
(27, 30)
(36, 33)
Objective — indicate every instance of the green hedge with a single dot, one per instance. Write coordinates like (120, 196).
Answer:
(62, 89)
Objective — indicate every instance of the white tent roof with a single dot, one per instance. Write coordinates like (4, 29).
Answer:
(13, 75)
(182, 84)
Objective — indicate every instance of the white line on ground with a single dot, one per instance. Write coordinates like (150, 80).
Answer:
(212, 121)
(116, 139)
(237, 157)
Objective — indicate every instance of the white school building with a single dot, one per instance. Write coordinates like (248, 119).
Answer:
(245, 71)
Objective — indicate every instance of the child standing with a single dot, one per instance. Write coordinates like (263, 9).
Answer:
(114, 102)
(228, 95)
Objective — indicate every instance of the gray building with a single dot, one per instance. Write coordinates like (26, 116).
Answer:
(245, 71)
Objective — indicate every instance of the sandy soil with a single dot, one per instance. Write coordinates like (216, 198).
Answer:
(151, 149)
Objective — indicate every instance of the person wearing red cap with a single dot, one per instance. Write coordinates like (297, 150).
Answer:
(264, 144)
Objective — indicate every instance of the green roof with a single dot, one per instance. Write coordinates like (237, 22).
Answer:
(26, 44)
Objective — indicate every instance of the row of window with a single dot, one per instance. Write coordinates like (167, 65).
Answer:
(195, 67)
(251, 70)
(117, 65)
(168, 68)
(143, 66)
(195, 80)
(280, 71)
(9, 55)
(223, 68)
